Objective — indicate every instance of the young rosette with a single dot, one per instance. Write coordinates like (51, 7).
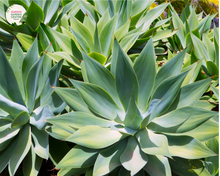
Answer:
(26, 100)
(134, 121)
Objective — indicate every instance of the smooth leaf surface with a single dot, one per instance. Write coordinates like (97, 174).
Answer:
(98, 99)
(16, 60)
(152, 143)
(41, 142)
(32, 83)
(106, 35)
(78, 120)
(171, 68)
(167, 91)
(72, 98)
(11, 107)
(20, 119)
(95, 137)
(158, 165)
(109, 158)
(133, 158)
(9, 83)
(100, 76)
(145, 65)
(22, 147)
(126, 79)
(78, 157)
(188, 119)
(187, 147)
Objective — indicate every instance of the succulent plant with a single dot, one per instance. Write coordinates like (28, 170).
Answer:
(26, 100)
(134, 120)
(95, 32)
(37, 11)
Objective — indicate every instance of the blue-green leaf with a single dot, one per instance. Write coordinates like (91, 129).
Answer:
(144, 65)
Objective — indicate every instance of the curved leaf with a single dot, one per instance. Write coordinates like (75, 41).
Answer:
(158, 165)
(20, 119)
(188, 119)
(100, 76)
(98, 99)
(41, 142)
(8, 80)
(109, 158)
(152, 143)
(167, 92)
(187, 147)
(11, 107)
(34, 15)
(133, 159)
(72, 98)
(106, 35)
(95, 137)
(22, 147)
(171, 68)
(32, 83)
(126, 79)
(78, 157)
(78, 120)
(144, 65)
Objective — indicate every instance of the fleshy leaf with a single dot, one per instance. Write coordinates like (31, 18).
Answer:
(21, 119)
(97, 99)
(100, 76)
(144, 65)
(152, 143)
(22, 147)
(78, 120)
(133, 158)
(72, 98)
(158, 165)
(95, 137)
(171, 68)
(39, 115)
(126, 79)
(167, 91)
(187, 147)
(8, 80)
(109, 158)
(78, 157)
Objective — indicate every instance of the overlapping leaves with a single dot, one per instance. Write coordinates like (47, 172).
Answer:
(130, 130)
(26, 100)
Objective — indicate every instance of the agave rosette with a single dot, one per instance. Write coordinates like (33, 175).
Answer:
(26, 100)
(38, 11)
(130, 119)
(94, 33)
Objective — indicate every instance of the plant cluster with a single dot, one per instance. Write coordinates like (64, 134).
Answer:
(109, 88)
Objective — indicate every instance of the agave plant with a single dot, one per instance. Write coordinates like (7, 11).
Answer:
(95, 32)
(37, 11)
(133, 120)
(26, 99)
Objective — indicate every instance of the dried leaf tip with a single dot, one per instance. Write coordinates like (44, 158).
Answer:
(86, 14)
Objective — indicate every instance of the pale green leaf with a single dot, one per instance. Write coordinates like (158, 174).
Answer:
(144, 65)
(20, 119)
(78, 157)
(95, 137)
(133, 158)
(98, 99)
(22, 147)
(158, 165)
(8, 80)
(152, 143)
(109, 158)
(100, 76)
(187, 147)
